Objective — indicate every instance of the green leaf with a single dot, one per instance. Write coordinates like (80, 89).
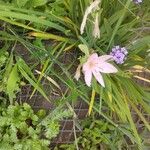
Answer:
(4, 13)
(12, 84)
(34, 84)
(83, 59)
(107, 27)
(119, 22)
(36, 3)
(84, 49)
(41, 113)
(138, 45)
(22, 64)
(21, 3)
(8, 67)
(28, 75)
(50, 36)
(49, 79)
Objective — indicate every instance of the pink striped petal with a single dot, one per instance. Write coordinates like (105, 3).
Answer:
(99, 78)
(108, 68)
(88, 77)
(93, 57)
(105, 58)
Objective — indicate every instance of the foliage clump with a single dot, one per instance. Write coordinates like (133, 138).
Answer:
(22, 129)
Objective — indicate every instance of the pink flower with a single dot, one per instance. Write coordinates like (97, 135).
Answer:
(95, 66)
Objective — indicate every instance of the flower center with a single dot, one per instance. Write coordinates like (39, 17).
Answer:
(91, 64)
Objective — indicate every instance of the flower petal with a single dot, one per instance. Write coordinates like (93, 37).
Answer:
(78, 72)
(88, 77)
(93, 57)
(96, 30)
(99, 78)
(108, 68)
(85, 67)
(105, 58)
(90, 9)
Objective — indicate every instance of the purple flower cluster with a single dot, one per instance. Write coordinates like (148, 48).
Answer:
(137, 1)
(119, 54)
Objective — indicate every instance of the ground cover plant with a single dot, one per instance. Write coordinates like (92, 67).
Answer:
(22, 129)
(107, 43)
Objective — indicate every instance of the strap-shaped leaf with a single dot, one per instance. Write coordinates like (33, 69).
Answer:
(12, 83)
(28, 75)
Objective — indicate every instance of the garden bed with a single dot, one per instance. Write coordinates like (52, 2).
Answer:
(74, 74)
